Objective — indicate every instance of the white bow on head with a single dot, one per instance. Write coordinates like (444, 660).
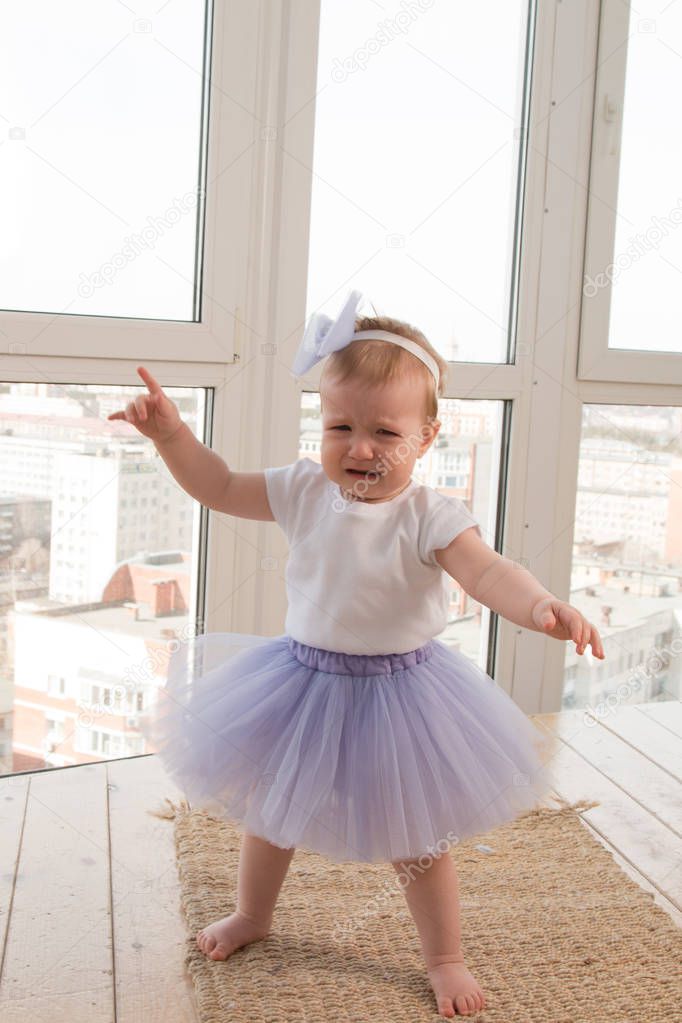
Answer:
(323, 335)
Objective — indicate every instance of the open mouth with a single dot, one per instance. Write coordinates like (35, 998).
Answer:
(359, 472)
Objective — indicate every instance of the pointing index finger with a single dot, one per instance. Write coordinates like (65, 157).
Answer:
(152, 384)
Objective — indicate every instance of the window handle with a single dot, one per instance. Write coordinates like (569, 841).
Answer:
(611, 111)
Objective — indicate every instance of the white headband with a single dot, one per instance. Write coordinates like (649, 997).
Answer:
(323, 336)
(404, 342)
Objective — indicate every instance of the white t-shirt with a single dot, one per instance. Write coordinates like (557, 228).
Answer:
(361, 577)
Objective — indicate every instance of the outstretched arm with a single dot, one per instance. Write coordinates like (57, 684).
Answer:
(198, 469)
(513, 592)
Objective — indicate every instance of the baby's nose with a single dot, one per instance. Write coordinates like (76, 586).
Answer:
(360, 447)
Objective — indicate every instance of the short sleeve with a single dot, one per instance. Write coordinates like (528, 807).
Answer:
(446, 518)
(284, 485)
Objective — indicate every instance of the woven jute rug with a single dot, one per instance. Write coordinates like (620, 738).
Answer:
(552, 928)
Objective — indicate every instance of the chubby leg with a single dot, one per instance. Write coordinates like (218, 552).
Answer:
(431, 890)
(262, 869)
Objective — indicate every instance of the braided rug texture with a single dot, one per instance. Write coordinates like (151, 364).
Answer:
(552, 928)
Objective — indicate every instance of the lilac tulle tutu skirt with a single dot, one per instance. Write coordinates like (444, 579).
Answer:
(358, 757)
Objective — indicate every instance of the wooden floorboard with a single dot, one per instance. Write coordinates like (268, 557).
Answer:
(58, 959)
(668, 714)
(149, 928)
(649, 846)
(91, 927)
(644, 733)
(655, 790)
(13, 796)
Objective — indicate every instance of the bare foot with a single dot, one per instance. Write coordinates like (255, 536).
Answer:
(455, 989)
(221, 939)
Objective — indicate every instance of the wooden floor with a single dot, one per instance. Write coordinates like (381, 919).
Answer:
(90, 921)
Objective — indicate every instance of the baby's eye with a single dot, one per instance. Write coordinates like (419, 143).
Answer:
(389, 432)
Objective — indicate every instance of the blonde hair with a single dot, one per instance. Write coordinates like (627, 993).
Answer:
(375, 362)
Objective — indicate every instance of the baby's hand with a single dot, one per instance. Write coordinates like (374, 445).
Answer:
(153, 414)
(560, 620)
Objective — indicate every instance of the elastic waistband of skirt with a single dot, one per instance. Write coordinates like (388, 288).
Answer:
(337, 663)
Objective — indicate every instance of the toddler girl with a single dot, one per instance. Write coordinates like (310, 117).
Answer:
(356, 733)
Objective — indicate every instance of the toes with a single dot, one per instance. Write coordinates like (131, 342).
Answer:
(209, 943)
(210, 947)
(445, 1007)
(462, 1003)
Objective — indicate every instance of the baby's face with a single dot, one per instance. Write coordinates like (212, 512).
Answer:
(379, 429)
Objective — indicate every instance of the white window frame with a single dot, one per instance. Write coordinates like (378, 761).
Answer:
(596, 360)
(223, 178)
(265, 54)
(560, 393)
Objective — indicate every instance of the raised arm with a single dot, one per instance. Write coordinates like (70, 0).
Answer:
(207, 477)
(513, 592)
(199, 470)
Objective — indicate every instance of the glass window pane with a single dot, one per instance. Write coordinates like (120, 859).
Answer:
(100, 162)
(627, 558)
(416, 163)
(98, 547)
(462, 462)
(646, 297)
